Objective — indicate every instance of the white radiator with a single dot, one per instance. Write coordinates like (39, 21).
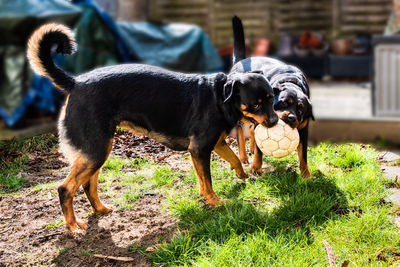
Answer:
(387, 80)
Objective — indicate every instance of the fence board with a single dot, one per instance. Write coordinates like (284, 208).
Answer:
(271, 18)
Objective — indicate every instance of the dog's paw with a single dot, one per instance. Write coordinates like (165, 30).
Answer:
(244, 160)
(74, 225)
(82, 225)
(242, 175)
(103, 210)
(256, 170)
(306, 174)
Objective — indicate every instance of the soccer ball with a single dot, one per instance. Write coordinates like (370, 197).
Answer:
(278, 141)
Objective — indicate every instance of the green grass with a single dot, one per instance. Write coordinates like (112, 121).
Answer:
(57, 223)
(86, 253)
(29, 144)
(45, 186)
(126, 181)
(280, 219)
(137, 248)
(275, 219)
(64, 250)
(14, 156)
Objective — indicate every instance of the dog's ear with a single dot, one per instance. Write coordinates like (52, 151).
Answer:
(228, 90)
(310, 110)
(311, 114)
(276, 90)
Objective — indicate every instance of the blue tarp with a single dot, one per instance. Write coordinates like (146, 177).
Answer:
(175, 46)
(180, 47)
(19, 89)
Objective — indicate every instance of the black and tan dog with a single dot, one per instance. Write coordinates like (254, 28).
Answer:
(291, 95)
(183, 111)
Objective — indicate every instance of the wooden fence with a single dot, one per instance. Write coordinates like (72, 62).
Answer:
(263, 18)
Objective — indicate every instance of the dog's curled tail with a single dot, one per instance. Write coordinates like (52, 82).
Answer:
(40, 46)
(239, 46)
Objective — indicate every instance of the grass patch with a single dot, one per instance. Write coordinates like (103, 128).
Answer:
(281, 219)
(45, 186)
(163, 176)
(86, 253)
(10, 182)
(14, 156)
(277, 218)
(40, 142)
(137, 248)
(115, 163)
(64, 250)
(57, 223)
(126, 181)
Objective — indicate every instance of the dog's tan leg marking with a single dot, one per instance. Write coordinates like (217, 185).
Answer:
(201, 163)
(225, 152)
(81, 172)
(202, 169)
(256, 166)
(242, 146)
(90, 188)
(303, 165)
(252, 139)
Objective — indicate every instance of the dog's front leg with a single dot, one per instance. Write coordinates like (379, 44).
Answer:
(201, 162)
(302, 152)
(225, 152)
(252, 139)
(242, 145)
(256, 166)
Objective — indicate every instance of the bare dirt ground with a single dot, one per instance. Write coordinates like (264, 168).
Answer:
(30, 220)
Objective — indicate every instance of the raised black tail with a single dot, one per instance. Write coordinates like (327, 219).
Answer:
(239, 46)
(40, 46)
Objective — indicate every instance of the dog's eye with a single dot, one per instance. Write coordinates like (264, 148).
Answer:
(256, 107)
(284, 104)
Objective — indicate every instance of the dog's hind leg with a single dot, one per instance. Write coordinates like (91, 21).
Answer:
(81, 171)
(90, 188)
(225, 152)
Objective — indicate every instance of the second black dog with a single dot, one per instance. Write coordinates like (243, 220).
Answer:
(291, 100)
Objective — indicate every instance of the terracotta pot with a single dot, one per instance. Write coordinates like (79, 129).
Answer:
(342, 46)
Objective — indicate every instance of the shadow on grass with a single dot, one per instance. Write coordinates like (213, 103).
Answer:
(301, 204)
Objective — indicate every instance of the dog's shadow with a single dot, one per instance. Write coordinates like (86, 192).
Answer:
(78, 248)
(299, 203)
(122, 233)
